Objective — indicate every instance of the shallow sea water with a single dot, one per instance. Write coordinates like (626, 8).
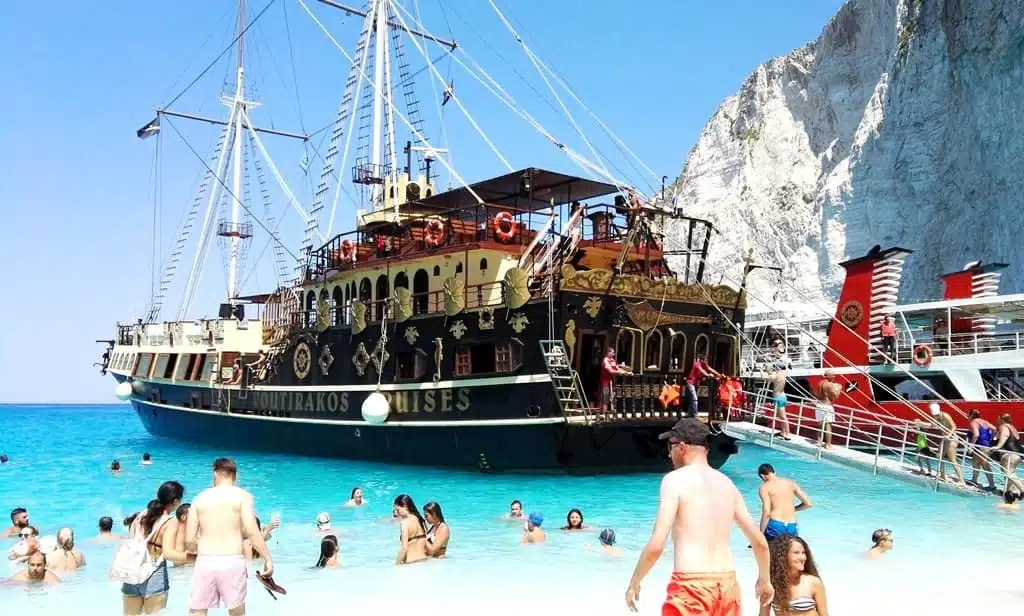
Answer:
(949, 549)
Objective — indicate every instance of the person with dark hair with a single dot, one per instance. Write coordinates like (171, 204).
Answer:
(115, 467)
(881, 542)
(19, 520)
(330, 553)
(220, 520)
(798, 587)
(1009, 503)
(356, 499)
(146, 459)
(439, 533)
(698, 506)
(106, 525)
(574, 520)
(413, 533)
(515, 511)
(4, 459)
(699, 371)
(778, 510)
(181, 513)
(158, 526)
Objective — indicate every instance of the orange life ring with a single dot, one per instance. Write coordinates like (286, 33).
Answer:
(502, 220)
(922, 355)
(433, 233)
(347, 248)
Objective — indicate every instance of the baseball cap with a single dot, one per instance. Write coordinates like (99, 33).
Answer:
(607, 537)
(323, 521)
(689, 431)
(536, 519)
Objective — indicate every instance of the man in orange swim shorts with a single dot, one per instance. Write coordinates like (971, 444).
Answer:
(698, 505)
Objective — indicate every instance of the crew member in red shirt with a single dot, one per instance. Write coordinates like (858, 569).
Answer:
(889, 338)
(609, 367)
(698, 373)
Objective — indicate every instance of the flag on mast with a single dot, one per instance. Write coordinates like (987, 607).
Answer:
(150, 129)
(449, 92)
(304, 161)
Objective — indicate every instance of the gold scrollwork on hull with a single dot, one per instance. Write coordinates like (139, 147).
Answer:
(438, 357)
(326, 360)
(302, 359)
(458, 329)
(570, 339)
(401, 299)
(486, 319)
(380, 356)
(323, 316)
(361, 359)
(592, 306)
(454, 296)
(411, 335)
(647, 318)
(628, 285)
(519, 322)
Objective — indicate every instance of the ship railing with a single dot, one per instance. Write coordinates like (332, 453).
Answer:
(955, 345)
(475, 297)
(882, 436)
(462, 226)
(757, 360)
(201, 332)
(634, 398)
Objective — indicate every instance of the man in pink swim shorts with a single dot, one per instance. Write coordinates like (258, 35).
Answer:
(221, 518)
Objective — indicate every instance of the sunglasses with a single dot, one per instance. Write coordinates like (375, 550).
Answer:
(27, 535)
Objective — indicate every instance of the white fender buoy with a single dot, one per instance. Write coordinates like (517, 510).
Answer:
(376, 408)
(123, 391)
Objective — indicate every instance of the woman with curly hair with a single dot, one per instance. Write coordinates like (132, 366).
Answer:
(798, 589)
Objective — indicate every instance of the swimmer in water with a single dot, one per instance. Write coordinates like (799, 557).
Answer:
(146, 459)
(532, 532)
(881, 542)
(574, 521)
(515, 511)
(330, 554)
(36, 572)
(1009, 503)
(607, 540)
(439, 532)
(323, 524)
(115, 467)
(106, 525)
(413, 533)
(356, 499)
(798, 587)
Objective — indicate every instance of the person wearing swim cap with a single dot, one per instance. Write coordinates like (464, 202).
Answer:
(323, 524)
(532, 532)
(698, 506)
(607, 539)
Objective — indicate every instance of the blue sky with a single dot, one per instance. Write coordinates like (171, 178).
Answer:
(77, 189)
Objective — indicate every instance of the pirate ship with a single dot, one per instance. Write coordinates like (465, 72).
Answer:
(462, 327)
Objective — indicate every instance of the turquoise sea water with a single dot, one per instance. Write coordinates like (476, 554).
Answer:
(954, 555)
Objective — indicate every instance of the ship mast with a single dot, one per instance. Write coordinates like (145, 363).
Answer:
(238, 111)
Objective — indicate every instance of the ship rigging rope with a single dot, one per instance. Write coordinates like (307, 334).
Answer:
(859, 369)
(228, 189)
(230, 47)
(436, 73)
(398, 113)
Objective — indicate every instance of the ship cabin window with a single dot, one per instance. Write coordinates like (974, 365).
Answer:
(145, 363)
(164, 367)
(183, 371)
(652, 351)
(437, 270)
(338, 303)
(700, 347)
(722, 359)
(488, 357)
(383, 291)
(421, 291)
(676, 351)
(205, 369)
(483, 265)
(626, 347)
(410, 365)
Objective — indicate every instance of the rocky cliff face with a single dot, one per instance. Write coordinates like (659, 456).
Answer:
(901, 125)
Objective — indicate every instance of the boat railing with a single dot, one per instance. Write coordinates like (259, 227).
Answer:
(954, 345)
(201, 332)
(757, 360)
(882, 436)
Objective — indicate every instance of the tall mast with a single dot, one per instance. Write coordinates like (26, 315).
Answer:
(238, 109)
(380, 14)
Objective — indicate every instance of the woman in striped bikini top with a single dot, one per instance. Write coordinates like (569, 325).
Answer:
(798, 589)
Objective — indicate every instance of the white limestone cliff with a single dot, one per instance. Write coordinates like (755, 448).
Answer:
(901, 125)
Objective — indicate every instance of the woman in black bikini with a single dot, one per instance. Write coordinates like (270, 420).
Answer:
(159, 523)
(1008, 450)
(413, 534)
(439, 533)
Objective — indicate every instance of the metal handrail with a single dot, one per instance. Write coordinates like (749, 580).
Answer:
(871, 434)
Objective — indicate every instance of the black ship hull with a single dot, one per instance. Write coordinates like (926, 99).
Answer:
(465, 439)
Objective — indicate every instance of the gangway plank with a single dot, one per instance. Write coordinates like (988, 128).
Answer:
(880, 465)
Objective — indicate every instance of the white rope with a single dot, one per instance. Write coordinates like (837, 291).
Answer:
(401, 116)
(436, 73)
(534, 61)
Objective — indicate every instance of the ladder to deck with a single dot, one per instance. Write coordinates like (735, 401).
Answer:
(566, 381)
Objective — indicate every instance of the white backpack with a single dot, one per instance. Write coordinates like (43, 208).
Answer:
(133, 564)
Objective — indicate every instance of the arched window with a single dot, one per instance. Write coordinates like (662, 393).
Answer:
(401, 280)
(700, 347)
(323, 295)
(348, 303)
(652, 351)
(310, 305)
(366, 293)
(437, 270)
(338, 303)
(677, 351)
(420, 291)
(458, 267)
(483, 265)
(383, 291)
(625, 347)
